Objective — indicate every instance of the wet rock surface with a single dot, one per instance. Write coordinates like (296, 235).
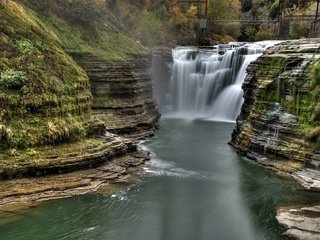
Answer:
(265, 131)
(309, 178)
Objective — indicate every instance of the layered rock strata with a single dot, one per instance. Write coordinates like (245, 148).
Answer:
(48, 127)
(270, 128)
(117, 163)
(123, 104)
(122, 94)
(279, 121)
(302, 223)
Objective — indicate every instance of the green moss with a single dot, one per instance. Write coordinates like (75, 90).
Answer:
(12, 79)
(304, 98)
(95, 35)
(30, 152)
(45, 95)
(49, 155)
(309, 104)
(272, 65)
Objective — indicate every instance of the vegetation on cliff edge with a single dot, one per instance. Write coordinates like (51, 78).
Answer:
(44, 96)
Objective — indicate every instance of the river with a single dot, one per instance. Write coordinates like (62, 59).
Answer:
(196, 187)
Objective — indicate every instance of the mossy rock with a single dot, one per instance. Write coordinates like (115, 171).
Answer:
(44, 95)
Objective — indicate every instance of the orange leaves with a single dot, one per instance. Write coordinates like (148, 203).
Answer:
(175, 10)
(192, 11)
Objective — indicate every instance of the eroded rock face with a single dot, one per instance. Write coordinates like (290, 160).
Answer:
(122, 94)
(281, 94)
(302, 223)
(117, 163)
(271, 127)
(48, 129)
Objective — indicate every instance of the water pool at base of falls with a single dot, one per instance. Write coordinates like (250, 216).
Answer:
(195, 188)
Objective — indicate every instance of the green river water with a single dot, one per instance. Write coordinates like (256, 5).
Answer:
(196, 187)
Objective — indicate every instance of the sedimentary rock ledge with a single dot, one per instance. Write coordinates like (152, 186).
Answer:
(308, 178)
(122, 94)
(270, 128)
(121, 169)
(302, 223)
(275, 127)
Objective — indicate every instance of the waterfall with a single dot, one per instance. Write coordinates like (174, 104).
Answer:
(207, 83)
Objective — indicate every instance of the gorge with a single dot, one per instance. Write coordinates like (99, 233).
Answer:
(81, 127)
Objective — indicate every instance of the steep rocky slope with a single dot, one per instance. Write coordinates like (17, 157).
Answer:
(45, 96)
(280, 120)
(58, 61)
(122, 94)
(117, 66)
(40, 83)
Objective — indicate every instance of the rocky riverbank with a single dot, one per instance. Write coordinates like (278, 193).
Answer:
(66, 88)
(119, 166)
(302, 223)
(123, 104)
(278, 123)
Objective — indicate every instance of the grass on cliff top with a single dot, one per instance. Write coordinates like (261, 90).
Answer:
(44, 95)
(13, 159)
(83, 26)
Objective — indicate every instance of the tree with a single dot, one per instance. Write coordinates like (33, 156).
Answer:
(192, 11)
(246, 5)
(274, 10)
(150, 28)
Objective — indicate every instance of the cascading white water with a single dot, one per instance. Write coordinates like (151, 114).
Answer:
(206, 83)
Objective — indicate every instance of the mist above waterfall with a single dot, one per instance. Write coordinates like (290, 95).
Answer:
(207, 83)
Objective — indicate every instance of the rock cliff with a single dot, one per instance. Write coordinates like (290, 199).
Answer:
(69, 80)
(279, 121)
(122, 94)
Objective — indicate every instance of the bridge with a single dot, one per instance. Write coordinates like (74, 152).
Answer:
(281, 23)
(262, 21)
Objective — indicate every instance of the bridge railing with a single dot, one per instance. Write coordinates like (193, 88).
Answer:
(245, 21)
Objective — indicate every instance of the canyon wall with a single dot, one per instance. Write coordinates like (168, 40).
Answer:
(68, 88)
(122, 94)
(279, 122)
(76, 96)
